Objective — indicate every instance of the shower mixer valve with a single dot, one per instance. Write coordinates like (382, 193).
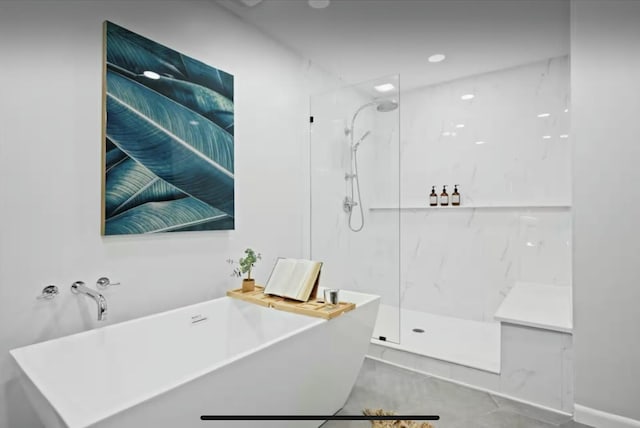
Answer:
(348, 204)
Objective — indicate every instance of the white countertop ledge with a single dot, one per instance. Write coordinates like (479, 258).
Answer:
(538, 305)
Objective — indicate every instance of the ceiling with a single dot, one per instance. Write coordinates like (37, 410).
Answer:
(360, 40)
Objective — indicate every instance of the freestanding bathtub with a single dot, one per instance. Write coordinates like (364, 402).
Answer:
(219, 357)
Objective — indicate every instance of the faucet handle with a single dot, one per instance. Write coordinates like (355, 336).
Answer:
(75, 285)
(104, 282)
(48, 293)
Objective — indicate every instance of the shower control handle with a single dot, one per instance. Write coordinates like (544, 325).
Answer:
(48, 293)
(348, 204)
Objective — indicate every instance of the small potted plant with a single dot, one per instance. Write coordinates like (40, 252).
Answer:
(246, 263)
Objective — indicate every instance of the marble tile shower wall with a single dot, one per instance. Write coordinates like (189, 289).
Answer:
(453, 261)
(507, 147)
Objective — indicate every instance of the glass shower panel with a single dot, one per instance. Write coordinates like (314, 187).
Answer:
(355, 193)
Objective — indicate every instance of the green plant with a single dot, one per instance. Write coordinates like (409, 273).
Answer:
(246, 263)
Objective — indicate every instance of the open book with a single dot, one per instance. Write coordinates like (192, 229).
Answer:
(294, 278)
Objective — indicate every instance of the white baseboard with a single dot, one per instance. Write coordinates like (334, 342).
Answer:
(599, 419)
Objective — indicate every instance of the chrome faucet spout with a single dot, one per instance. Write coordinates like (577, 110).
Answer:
(78, 287)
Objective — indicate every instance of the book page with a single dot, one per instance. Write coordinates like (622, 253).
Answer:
(293, 278)
(279, 280)
(311, 269)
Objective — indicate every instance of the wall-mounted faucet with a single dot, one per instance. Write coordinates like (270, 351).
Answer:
(78, 287)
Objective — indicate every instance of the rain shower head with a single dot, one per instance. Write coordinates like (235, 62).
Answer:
(386, 105)
(382, 106)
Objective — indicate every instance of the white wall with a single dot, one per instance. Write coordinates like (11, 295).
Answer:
(605, 126)
(50, 157)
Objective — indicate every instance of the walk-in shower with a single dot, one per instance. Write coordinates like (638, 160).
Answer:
(354, 199)
(443, 272)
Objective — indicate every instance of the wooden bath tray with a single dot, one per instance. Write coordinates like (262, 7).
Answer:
(311, 308)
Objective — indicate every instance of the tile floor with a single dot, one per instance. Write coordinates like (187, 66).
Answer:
(381, 385)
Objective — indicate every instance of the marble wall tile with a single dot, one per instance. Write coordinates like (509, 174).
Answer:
(462, 263)
(567, 374)
(475, 377)
(532, 364)
(411, 361)
(516, 163)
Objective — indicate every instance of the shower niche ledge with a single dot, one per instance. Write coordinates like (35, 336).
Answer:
(417, 207)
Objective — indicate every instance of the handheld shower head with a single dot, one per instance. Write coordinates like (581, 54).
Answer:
(365, 135)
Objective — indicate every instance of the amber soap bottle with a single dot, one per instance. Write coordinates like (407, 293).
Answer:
(455, 196)
(444, 196)
(433, 197)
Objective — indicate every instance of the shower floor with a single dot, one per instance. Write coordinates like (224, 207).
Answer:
(470, 343)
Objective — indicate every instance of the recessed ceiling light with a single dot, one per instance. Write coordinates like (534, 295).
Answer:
(480, 142)
(460, 125)
(319, 4)
(385, 87)
(437, 58)
(467, 97)
(151, 75)
(544, 115)
(566, 110)
(546, 137)
(564, 136)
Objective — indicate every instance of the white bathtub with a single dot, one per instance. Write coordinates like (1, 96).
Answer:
(166, 371)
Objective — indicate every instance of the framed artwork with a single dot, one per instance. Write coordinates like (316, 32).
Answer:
(168, 145)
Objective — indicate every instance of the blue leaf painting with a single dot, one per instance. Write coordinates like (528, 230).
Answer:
(200, 73)
(109, 145)
(169, 149)
(113, 157)
(137, 54)
(200, 99)
(130, 184)
(166, 216)
(156, 132)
